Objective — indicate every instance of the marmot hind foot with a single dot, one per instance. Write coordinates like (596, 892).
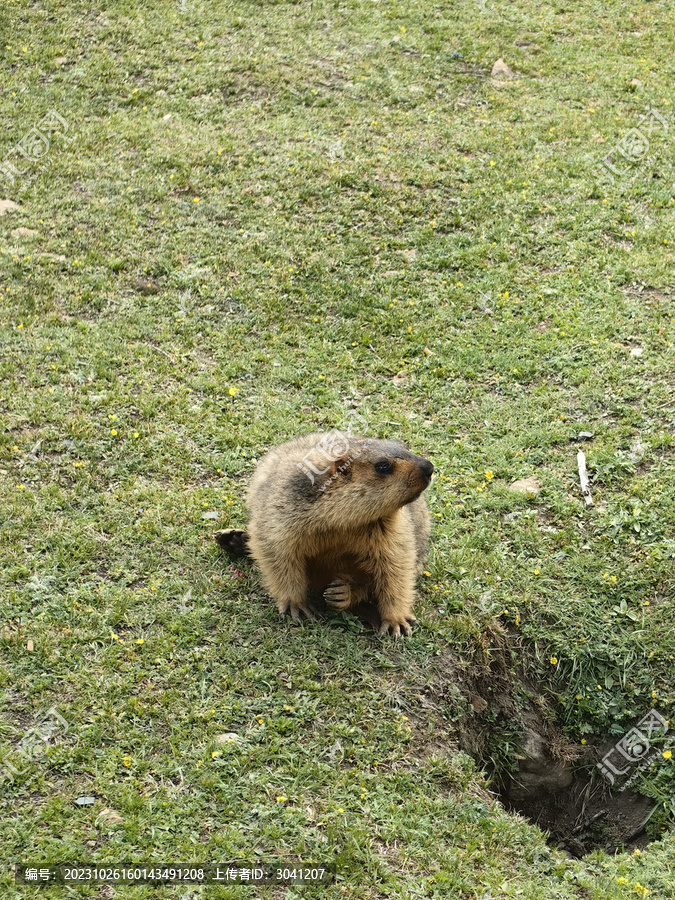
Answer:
(398, 626)
(294, 608)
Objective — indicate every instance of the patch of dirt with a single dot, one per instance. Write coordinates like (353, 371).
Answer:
(245, 87)
(649, 294)
(585, 816)
(484, 690)
(508, 726)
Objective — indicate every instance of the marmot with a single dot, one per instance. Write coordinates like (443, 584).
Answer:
(339, 514)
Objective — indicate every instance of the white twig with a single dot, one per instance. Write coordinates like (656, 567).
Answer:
(583, 478)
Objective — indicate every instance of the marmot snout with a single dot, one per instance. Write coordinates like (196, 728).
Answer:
(341, 514)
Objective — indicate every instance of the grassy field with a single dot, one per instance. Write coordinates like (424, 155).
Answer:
(250, 220)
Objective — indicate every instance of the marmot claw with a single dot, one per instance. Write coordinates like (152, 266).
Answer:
(338, 595)
(397, 627)
(294, 610)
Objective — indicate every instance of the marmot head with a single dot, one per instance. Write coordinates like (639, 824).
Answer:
(357, 480)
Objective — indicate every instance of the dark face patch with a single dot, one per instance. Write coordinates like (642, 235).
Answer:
(304, 485)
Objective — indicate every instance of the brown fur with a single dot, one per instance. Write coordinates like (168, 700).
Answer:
(321, 516)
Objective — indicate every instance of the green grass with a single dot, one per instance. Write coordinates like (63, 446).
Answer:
(266, 213)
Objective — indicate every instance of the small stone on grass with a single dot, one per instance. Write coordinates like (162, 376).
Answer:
(530, 485)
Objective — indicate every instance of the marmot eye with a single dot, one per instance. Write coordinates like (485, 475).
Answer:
(384, 467)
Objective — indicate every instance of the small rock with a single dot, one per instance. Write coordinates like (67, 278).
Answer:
(400, 378)
(479, 704)
(29, 646)
(7, 206)
(85, 801)
(636, 351)
(23, 232)
(538, 771)
(585, 436)
(60, 60)
(637, 451)
(530, 485)
(57, 256)
(210, 515)
(409, 255)
(229, 737)
(530, 784)
(501, 70)
(108, 816)
(145, 286)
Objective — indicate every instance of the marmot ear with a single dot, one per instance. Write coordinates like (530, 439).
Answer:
(329, 459)
(339, 470)
(310, 481)
(342, 468)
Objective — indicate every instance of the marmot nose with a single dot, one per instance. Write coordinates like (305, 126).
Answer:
(427, 467)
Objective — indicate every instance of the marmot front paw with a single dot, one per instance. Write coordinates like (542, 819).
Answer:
(338, 595)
